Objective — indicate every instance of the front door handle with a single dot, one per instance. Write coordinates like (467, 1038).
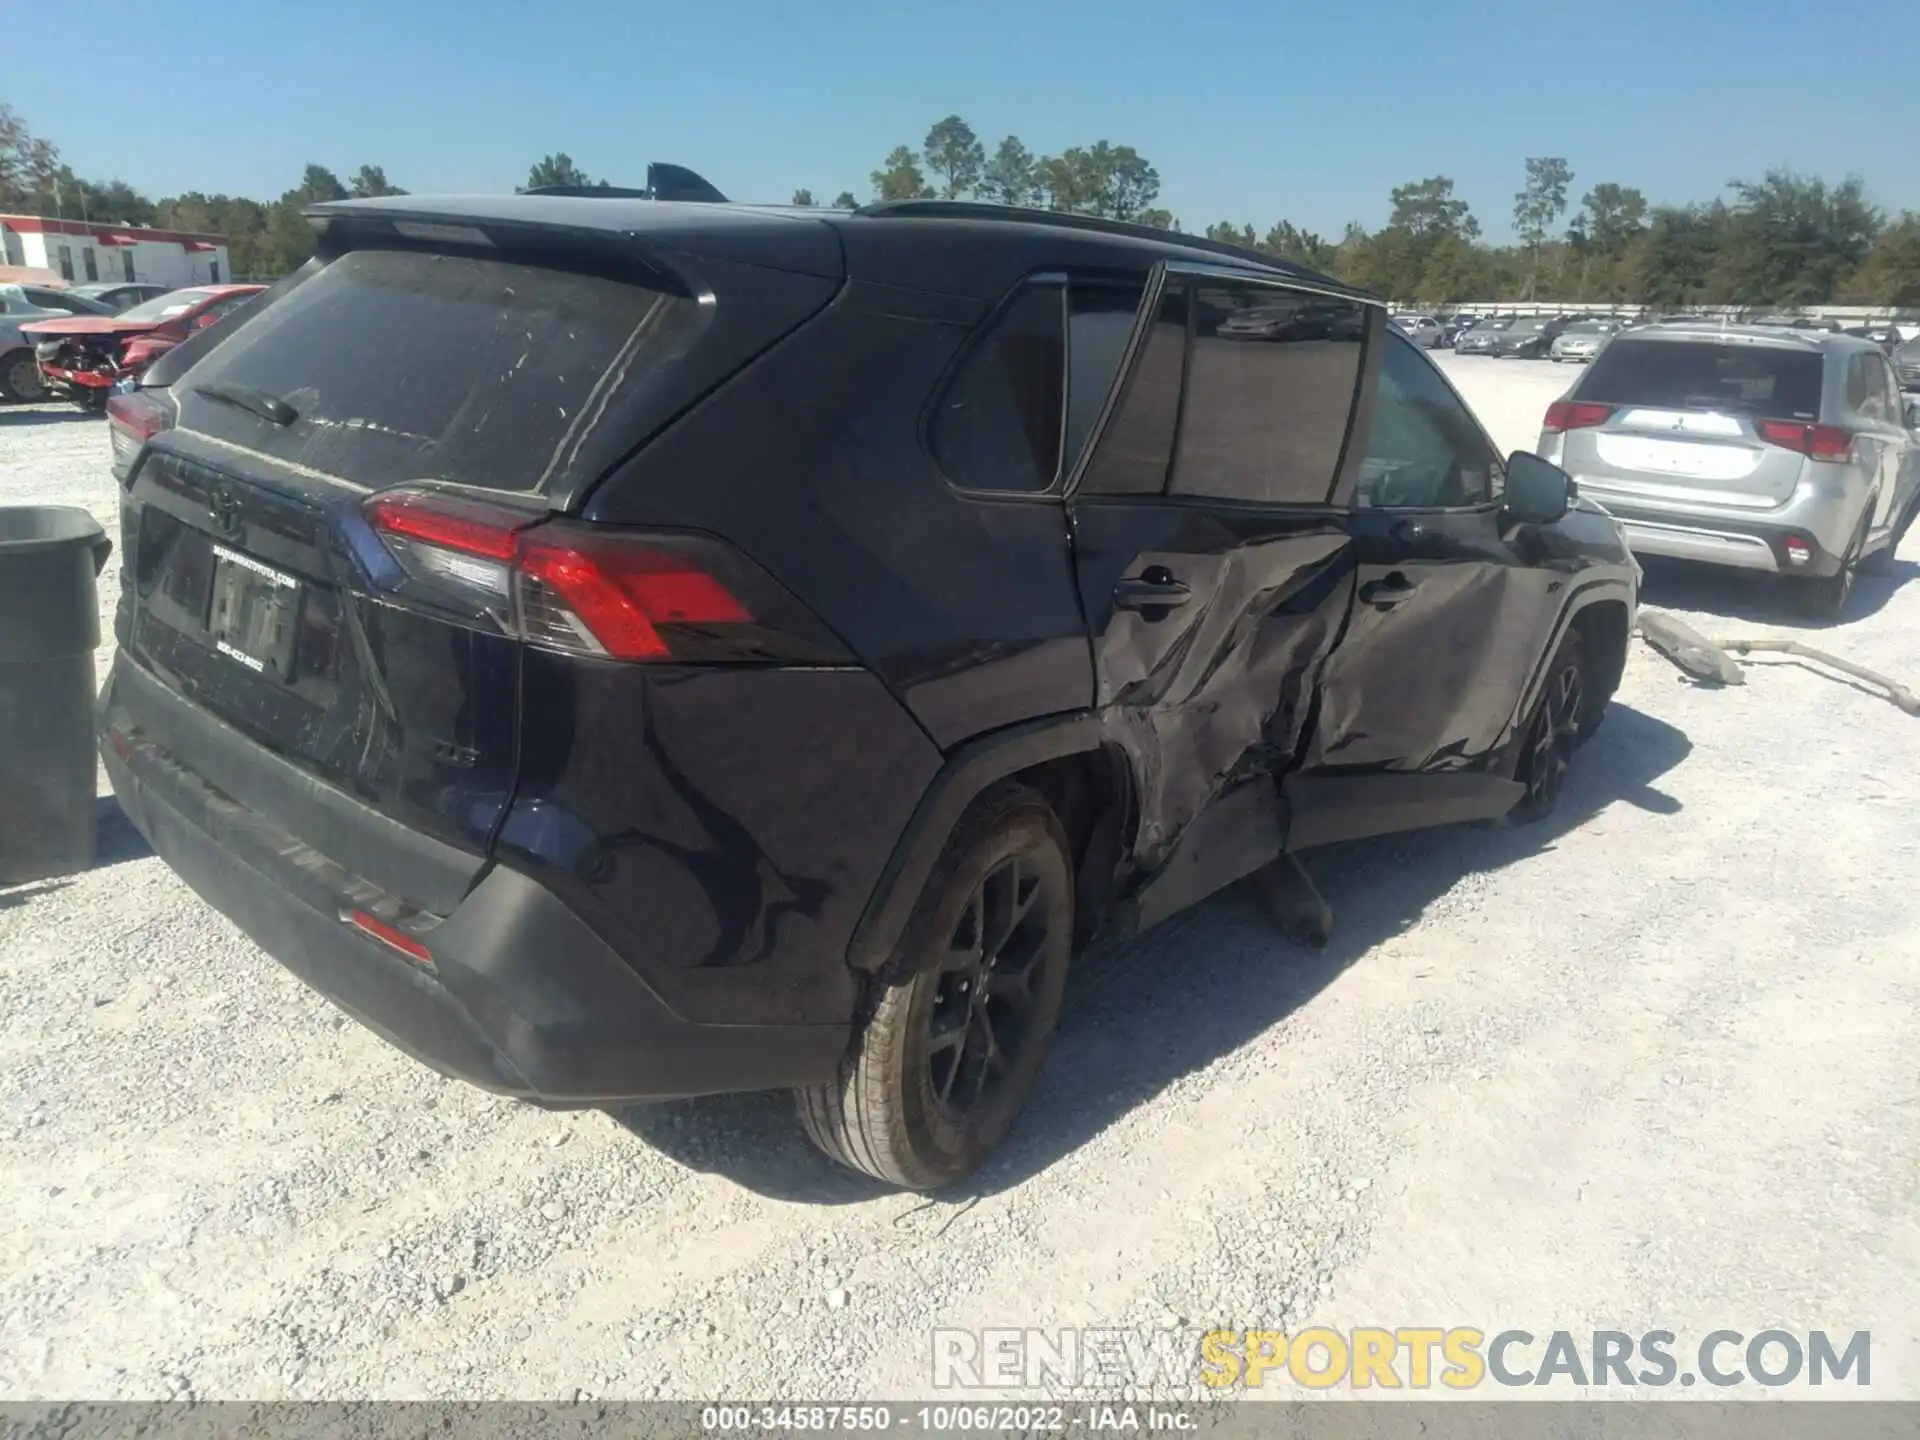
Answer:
(1155, 589)
(1388, 591)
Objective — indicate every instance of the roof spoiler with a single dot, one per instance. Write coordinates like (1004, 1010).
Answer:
(664, 182)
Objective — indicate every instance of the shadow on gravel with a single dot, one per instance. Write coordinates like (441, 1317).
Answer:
(1757, 599)
(23, 416)
(23, 894)
(115, 839)
(1141, 1016)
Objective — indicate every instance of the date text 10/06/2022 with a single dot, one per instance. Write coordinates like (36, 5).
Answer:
(995, 1419)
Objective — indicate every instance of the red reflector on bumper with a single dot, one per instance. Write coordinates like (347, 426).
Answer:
(390, 935)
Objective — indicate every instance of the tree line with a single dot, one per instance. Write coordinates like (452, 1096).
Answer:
(1782, 240)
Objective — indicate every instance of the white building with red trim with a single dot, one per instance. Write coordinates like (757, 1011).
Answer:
(83, 252)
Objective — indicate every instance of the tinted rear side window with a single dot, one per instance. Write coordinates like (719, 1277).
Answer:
(1776, 384)
(997, 425)
(1270, 391)
(406, 366)
(1100, 320)
(1138, 442)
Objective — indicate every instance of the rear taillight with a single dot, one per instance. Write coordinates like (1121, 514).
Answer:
(1817, 442)
(132, 420)
(590, 590)
(1564, 415)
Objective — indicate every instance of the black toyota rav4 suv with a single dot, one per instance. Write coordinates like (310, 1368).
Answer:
(619, 648)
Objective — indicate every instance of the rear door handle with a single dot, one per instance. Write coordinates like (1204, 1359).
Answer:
(1155, 590)
(1388, 591)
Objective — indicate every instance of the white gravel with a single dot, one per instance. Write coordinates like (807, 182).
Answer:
(1651, 1064)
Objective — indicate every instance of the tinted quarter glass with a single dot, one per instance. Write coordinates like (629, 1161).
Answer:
(997, 424)
(405, 365)
(1099, 321)
(1768, 381)
(1890, 388)
(1863, 388)
(1425, 451)
(1270, 391)
(1137, 444)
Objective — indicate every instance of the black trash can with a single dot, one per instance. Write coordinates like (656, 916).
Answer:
(50, 557)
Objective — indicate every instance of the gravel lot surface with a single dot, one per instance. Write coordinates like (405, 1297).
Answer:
(1649, 1065)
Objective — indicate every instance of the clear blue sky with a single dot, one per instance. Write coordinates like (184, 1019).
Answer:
(1250, 110)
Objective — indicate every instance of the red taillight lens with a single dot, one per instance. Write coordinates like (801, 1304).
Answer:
(1817, 442)
(132, 420)
(1565, 415)
(490, 531)
(140, 416)
(585, 590)
(621, 593)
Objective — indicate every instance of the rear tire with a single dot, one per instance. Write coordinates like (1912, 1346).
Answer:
(20, 379)
(1824, 597)
(950, 1046)
(1881, 561)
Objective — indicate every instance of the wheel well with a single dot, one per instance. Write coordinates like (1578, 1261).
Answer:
(1603, 626)
(1091, 792)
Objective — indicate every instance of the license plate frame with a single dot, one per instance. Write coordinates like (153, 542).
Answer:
(253, 614)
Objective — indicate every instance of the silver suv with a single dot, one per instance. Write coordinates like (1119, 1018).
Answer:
(1790, 451)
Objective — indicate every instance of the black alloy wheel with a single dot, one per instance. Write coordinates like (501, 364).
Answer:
(953, 1036)
(982, 1011)
(1552, 732)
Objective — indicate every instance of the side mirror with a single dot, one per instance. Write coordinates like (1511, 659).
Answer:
(1538, 491)
(1913, 412)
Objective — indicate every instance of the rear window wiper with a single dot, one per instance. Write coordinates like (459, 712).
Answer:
(259, 402)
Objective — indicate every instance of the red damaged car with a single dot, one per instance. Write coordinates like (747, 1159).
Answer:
(83, 357)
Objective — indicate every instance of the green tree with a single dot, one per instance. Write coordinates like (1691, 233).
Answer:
(1611, 218)
(1538, 208)
(803, 197)
(1159, 219)
(1008, 178)
(1455, 269)
(27, 163)
(1065, 181)
(1676, 257)
(845, 201)
(317, 184)
(900, 177)
(112, 202)
(1612, 215)
(1114, 181)
(1890, 275)
(955, 155)
(1429, 207)
(1289, 242)
(555, 169)
(1793, 240)
(1232, 234)
(371, 180)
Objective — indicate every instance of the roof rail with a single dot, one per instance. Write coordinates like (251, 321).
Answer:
(664, 182)
(1067, 220)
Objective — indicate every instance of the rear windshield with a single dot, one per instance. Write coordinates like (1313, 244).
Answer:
(1775, 384)
(404, 365)
(1493, 325)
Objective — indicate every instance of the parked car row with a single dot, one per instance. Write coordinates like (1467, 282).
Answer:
(79, 344)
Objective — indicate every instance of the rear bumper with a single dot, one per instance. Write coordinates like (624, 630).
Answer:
(521, 996)
(1739, 544)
